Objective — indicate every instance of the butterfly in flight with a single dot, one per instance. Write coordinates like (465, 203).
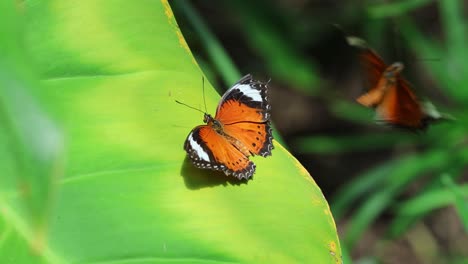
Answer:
(390, 95)
(240, 129)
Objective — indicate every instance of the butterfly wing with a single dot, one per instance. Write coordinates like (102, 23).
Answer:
(374, 68)
(373, 65)
(209, 150)
(244, 112)
(252, 138)
(400, 107)
(245, 101)
(375, 96)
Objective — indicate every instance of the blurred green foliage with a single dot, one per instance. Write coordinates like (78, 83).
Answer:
(31, 145)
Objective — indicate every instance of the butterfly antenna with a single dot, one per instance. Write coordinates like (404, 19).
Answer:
(189, 106)
(429, 59)
(203, 90)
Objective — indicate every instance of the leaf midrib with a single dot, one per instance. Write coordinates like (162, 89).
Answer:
(89, 76)
(162, 259)
(91, 175)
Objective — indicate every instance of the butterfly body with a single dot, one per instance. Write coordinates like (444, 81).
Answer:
(389, 79)
(240, 129)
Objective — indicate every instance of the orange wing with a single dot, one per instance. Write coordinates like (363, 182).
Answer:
(375, 96)
(375, 70)
(400, 107)
(389, 80)
(245, 101)
(255, 138)
(244, 112)
(373, 66)
(209, 150)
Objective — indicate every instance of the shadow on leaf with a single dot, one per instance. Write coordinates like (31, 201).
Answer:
(195, 178)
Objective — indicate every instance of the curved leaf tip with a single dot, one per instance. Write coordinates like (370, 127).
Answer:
(173, 23)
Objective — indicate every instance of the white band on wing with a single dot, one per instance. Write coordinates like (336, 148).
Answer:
(248, 91)
(198, 149)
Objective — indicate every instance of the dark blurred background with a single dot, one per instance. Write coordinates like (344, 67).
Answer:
(397, 196)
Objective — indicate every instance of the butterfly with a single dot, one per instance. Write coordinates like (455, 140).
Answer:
(240, 129)
(391, 96)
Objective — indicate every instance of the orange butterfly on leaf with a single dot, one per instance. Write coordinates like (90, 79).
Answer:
(390, 94)
(240, 129)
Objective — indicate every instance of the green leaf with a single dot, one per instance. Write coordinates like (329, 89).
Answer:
(396, 8)
(218, 55)
(460, 198)
(31, 145)
(429, 201)
(111, 72)
(434, 195)
(349, 110)
(413, 209)
(275, 48)
(336, 144)
(405, 171)
(449, 71)
(455, 35)
(355, 190)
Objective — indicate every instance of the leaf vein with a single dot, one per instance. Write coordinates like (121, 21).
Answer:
(91, 175)
(157, 259)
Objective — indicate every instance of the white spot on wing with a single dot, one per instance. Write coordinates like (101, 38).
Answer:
(198, 149)
(248, 91)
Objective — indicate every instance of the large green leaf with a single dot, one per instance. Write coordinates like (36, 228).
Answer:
(111, 71)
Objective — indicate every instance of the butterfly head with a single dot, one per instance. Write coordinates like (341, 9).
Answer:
(393, 70)
(209, 120)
